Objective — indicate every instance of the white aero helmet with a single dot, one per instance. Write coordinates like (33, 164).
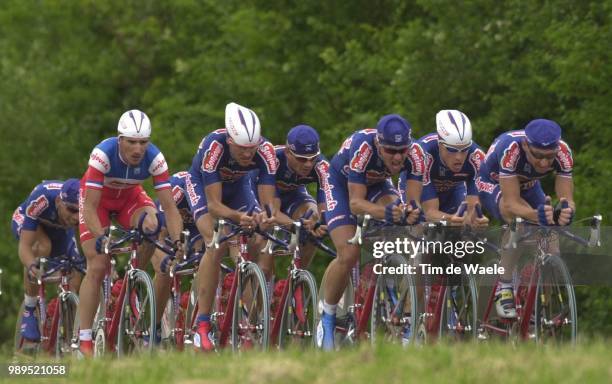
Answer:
(135, 124)
(454, 127)
(242, 125)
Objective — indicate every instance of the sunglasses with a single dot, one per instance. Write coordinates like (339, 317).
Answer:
(452, 149)
(304, 159)
(394, 151)
(542, 156)
(71, 208)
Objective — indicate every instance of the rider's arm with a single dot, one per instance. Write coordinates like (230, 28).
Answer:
(26, 244)
(564, 188)
(513, 203)
(281, 218)
(267, 194)
(173, 217)
(432, 211)
(90, 214)
(358, 203)
(216, 207)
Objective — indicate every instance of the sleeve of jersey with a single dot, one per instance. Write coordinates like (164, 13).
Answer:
(268, 164)
(476, 159)
(159, 170)
(29, 224)
(94, 179)
(564, 162)
(36, 205)
(429, 192)
(415, 163)
(508, 159)
(98, 166)
(322, 172)
(360, 154)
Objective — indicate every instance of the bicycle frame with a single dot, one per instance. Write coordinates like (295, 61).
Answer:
(243, 256)
(296, 265)
(188, 268)
(524, 312)
(110, 325)
(361, 310)
(65, 267)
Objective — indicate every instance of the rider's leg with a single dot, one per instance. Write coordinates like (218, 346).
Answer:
(161, 281)
(29, 321)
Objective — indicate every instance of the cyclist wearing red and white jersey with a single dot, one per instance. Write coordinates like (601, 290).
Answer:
(219, 186)
(509, 187)
(359, 182)
(112, 184)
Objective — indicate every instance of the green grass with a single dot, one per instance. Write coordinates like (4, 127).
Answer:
(467, 363)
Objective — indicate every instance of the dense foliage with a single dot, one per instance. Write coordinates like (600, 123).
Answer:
(69, 69)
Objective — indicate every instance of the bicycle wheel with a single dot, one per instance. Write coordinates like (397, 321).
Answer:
(192, 308)
(136, 331)
(251, 314)
(68, 303)
(300, 314)
(556, 316)
(459, 317)
(395, 307)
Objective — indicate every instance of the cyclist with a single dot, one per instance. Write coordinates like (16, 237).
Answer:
(358, 182)
(448, 179)
(509, 187)
(162, 281)
(44, 225)
(300, 163)
(112, 185)
(217, 188)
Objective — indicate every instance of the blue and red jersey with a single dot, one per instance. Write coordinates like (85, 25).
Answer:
(438, 179)
(39, 207)
(359, 162)
(506, 158)
(288, 181)
(213, 162)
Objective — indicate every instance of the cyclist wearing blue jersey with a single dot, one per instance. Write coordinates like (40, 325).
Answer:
(451, 161)
(216, 187)
(162, 281)
(359, 182)
(509, 187)
(300, 163)
(44, 224)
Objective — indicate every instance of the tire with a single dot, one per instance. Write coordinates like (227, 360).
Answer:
(300, 313)
(251, 314)
(192, 307)
(173, 324)
(556, 316)
(136, 331)
(67, 307)
(395, 307)
(459, 317)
